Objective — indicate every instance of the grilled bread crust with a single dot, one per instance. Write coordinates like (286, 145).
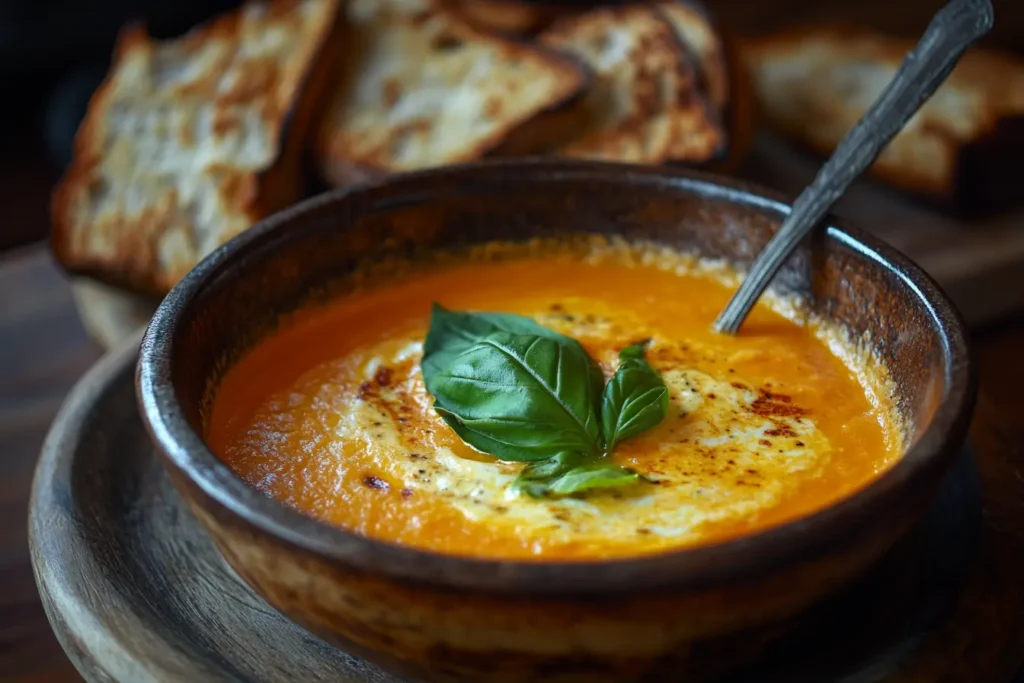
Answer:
(645, 105)
(423, 88)
(189, 141)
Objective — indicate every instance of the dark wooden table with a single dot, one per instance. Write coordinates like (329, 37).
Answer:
(43, 349)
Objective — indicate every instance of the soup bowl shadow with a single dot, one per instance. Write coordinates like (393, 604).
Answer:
(688, 614)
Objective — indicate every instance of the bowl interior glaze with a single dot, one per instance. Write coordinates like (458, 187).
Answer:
(238, 294)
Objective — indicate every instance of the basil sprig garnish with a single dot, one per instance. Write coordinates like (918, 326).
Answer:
(568, 473)
(519, 391)
(635, 398)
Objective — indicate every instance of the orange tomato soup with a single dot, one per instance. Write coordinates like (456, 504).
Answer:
(329, 414)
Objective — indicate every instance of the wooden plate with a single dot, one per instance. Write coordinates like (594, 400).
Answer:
(110, 315)
(136, 592)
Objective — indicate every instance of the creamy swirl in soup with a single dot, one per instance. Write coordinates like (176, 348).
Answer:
(330, 415)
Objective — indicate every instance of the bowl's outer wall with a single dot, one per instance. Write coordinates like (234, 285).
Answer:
(431, 615)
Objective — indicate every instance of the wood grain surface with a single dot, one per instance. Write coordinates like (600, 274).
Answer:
(43, 350)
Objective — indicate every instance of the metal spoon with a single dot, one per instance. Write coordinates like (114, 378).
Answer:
(950, 32)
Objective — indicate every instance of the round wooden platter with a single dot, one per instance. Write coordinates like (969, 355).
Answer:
(136, 592)
(110, 315)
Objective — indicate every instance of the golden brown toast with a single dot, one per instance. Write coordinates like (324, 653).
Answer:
(814, 83)
(719, 67)
(645, 105)
(189, 141)
(423, 88)
(722, 75)
(694, 26)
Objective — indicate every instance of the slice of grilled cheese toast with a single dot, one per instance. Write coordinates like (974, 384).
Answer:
(189, 141)
(423, 88)
(645, 105)
(814, 84)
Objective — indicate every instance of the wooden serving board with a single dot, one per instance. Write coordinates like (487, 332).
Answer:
(110, 315)
(980, 263)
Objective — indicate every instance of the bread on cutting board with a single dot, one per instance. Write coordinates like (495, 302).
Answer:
(645, 105)
(424, 88)
(813, 85)
(189, 141)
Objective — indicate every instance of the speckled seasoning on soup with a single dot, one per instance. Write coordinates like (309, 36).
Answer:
(330, 416)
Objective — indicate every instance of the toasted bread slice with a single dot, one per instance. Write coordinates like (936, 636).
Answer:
(512, 17)
(722, 73)
(693, 25)
(645, 106)
(425, 89)
(191, 140)
(814, 84)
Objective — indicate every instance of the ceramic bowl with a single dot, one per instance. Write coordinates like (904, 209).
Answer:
(687, 614)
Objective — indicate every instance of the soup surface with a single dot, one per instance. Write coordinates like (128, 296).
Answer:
(330, 416)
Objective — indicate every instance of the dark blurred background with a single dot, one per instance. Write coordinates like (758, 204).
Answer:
(53, 53)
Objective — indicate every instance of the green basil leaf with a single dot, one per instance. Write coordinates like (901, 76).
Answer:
(569, 473)
(552, 467)
(533, 489)
(452, 332)
(455, 331)
(587, 477)
(634, 350)
(634, 400)
(534, 478)
(519, 396)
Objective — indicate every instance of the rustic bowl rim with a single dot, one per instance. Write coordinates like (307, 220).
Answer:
(772, 549)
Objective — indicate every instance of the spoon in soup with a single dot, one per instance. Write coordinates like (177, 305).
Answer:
(950, 32)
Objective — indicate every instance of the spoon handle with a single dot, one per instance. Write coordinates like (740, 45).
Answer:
(950, 32)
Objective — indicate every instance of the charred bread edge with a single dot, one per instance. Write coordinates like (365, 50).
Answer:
(140, 279)
(687, 51)
(340, 172)
(737, 119)
(297, 123)
(700, 88)
(82, 162)
(560, 118)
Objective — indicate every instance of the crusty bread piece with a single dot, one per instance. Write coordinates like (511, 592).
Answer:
(645, 105)
(693, 24)
(423, 88)
(814, 83)
(722, 73)
(191, 140)
(512, 17)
